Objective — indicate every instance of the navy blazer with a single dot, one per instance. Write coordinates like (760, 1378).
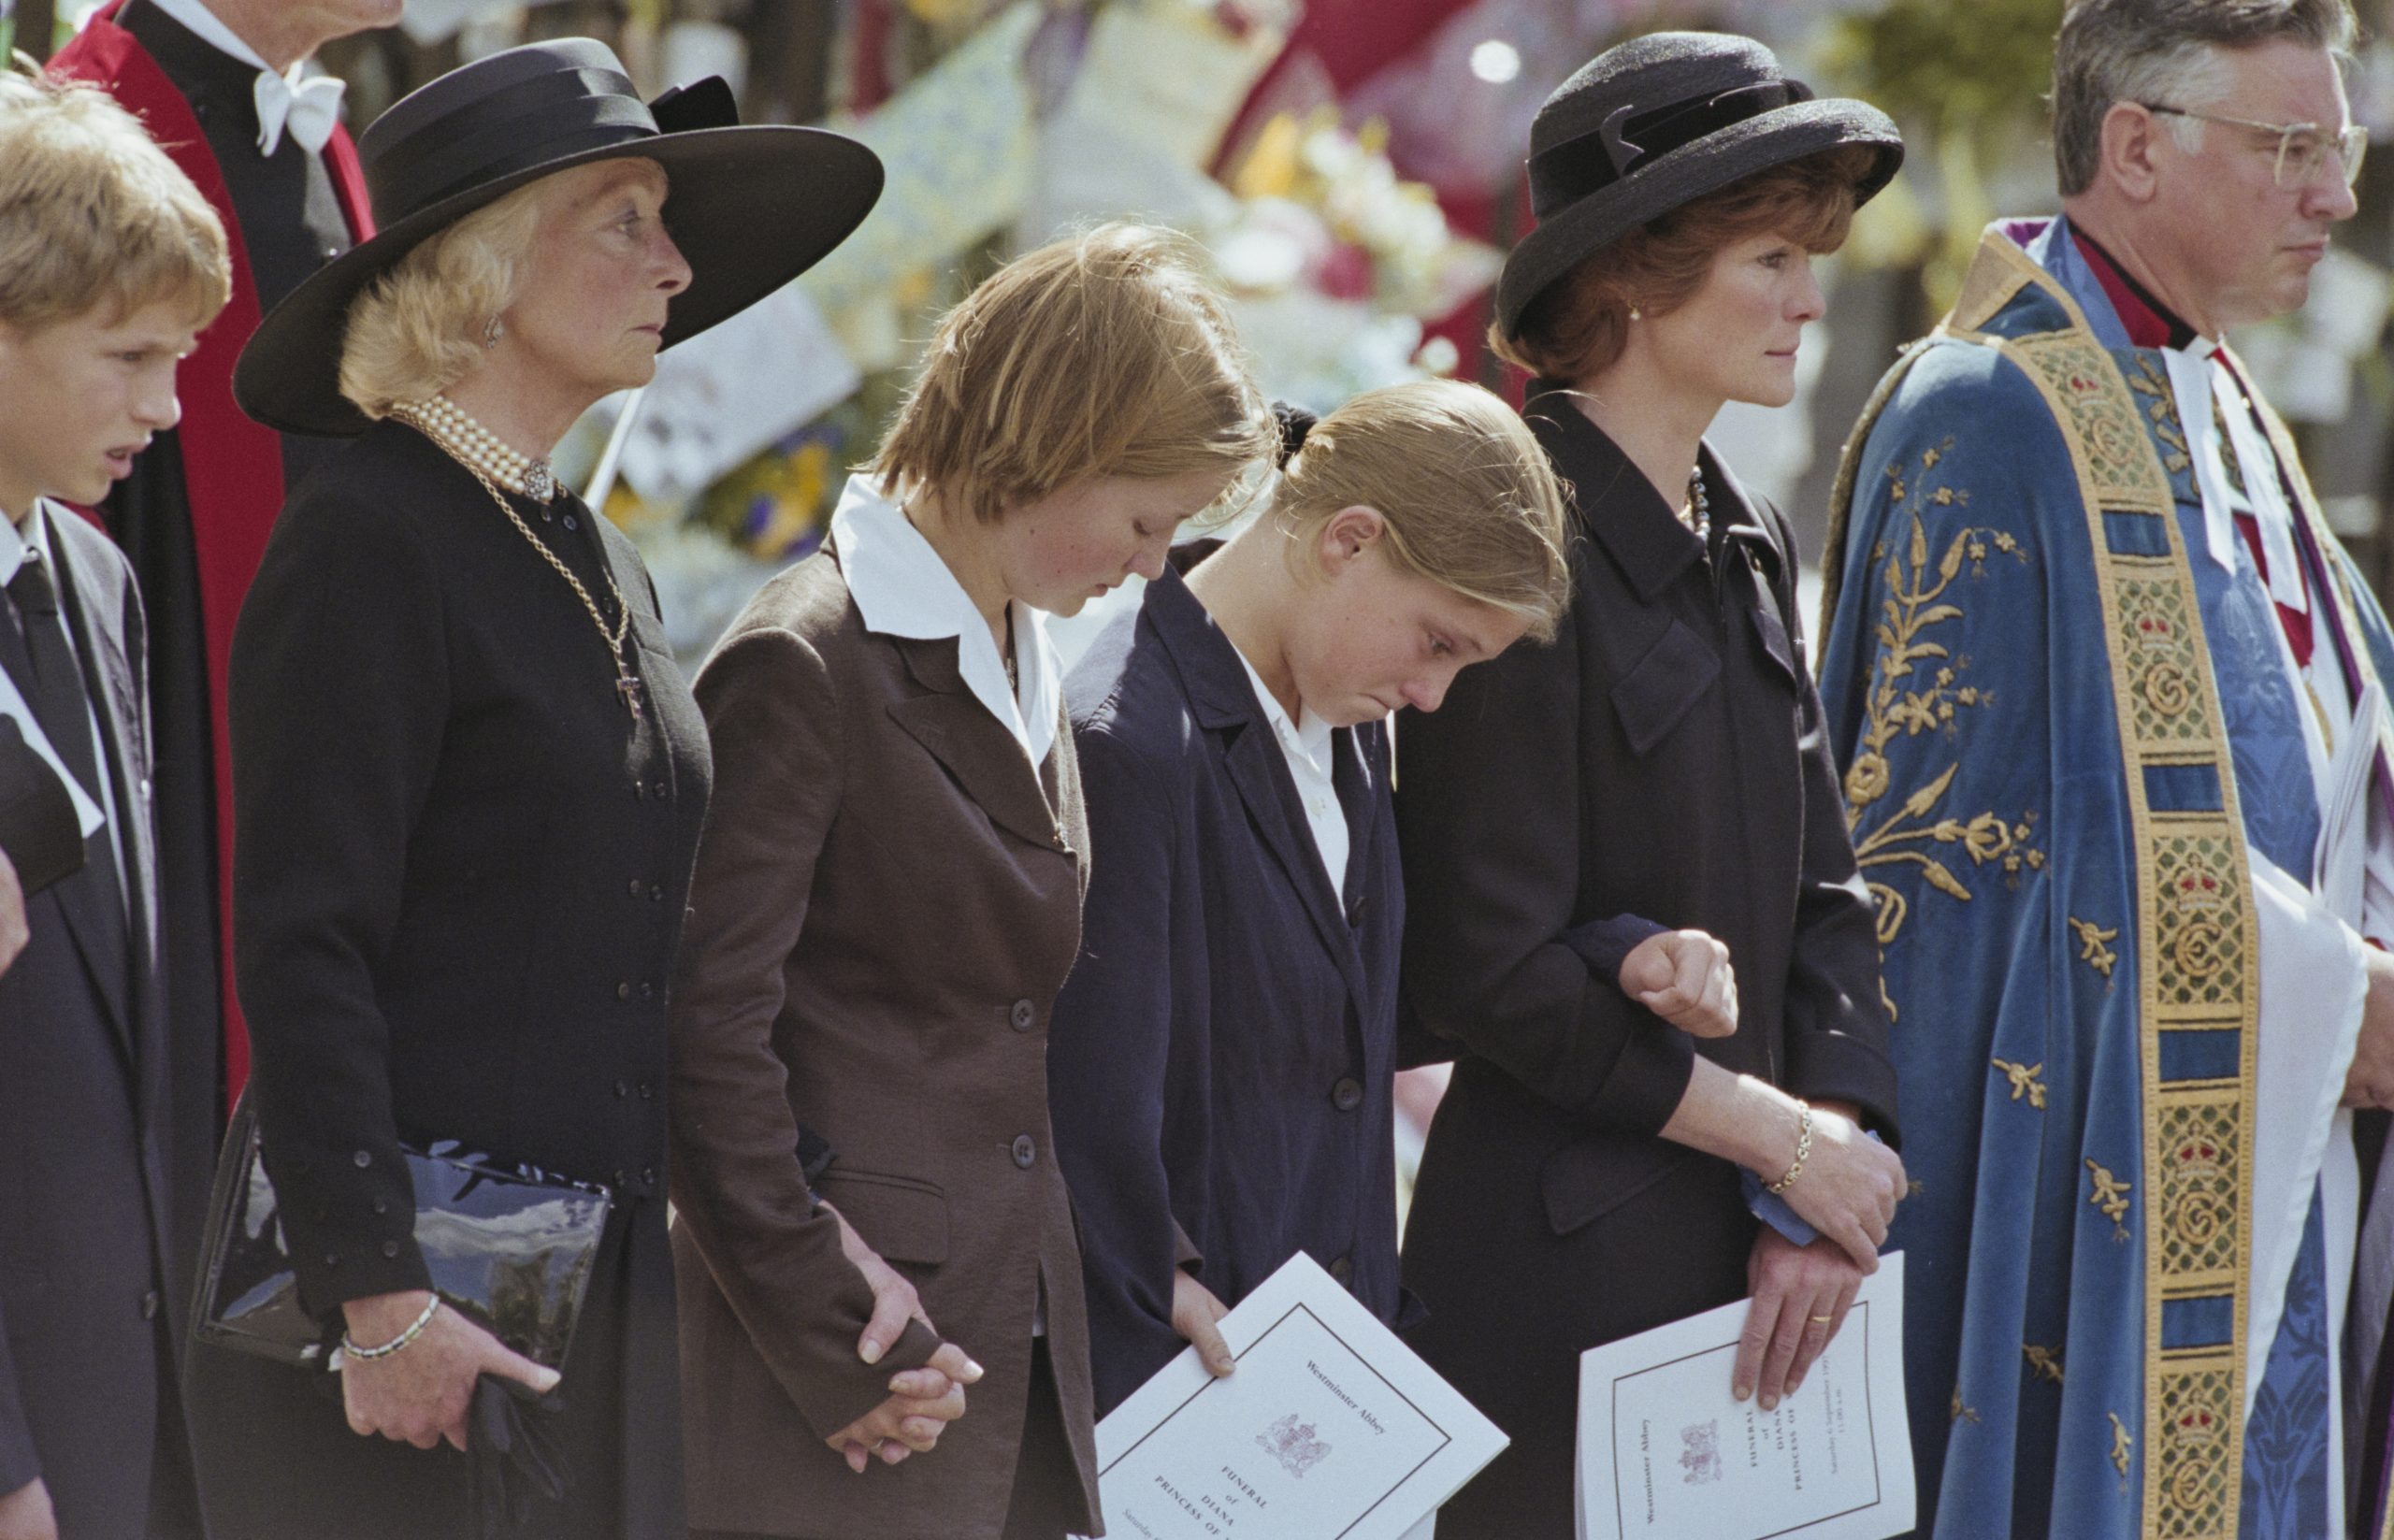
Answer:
(1223, 1058)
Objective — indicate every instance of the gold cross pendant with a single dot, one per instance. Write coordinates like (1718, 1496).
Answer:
(627, 685)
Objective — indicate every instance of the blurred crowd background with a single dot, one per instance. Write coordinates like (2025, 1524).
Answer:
(1354, 167)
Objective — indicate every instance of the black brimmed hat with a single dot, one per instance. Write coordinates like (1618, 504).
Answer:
(1658, 122)
(750, 208)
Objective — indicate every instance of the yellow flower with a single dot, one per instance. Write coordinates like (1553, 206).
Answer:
(1866, 781)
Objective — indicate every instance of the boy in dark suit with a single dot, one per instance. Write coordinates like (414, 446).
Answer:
(111, 265)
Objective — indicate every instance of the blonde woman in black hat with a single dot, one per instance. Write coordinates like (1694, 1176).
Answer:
(470, 782)
(1591, 1171)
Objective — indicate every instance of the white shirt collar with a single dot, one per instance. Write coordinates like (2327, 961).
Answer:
(1308, 732)
(903, 588)
(197, 18)
(18, 544)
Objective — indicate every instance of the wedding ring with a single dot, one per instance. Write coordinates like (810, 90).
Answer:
(1822, 1320)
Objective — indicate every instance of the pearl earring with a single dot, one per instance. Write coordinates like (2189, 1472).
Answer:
(1636, 314)
(491, 332)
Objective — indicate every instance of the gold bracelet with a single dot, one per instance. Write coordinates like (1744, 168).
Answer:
(1803, 1151)
(349, 1344)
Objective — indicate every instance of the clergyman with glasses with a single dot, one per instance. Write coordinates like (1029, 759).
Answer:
(2106, 693)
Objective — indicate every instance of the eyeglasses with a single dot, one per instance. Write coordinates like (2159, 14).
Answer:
(2304, 149)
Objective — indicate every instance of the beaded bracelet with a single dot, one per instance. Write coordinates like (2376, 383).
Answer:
(349, 1343)
(1803, 1151)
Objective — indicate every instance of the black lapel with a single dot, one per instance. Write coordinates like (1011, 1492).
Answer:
(77, 901)
(1224, 700)
(1360, 764)
(979, 751)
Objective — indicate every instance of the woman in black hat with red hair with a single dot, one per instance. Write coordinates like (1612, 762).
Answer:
(469, 779)
(1589, 1171)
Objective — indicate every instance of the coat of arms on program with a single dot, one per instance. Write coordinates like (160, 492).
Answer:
(1292, 1444)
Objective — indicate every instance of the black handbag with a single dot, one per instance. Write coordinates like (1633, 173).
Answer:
(509, 1247)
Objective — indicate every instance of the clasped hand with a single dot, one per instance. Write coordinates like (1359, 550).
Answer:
(921, 1401)
(1684, 977)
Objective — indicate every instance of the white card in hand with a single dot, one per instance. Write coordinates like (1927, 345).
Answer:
(1330, 1429)
(1665, 1453)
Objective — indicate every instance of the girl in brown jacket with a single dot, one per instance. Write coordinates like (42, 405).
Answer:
(887, 902)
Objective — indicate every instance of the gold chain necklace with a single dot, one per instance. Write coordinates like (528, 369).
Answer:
(627, 684)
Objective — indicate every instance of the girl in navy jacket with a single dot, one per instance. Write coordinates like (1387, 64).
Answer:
(1221, 1060)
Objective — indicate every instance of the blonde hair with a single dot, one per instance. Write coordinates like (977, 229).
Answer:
(93, 212)
(1464, 492)
(1107, 353)
(419, 328)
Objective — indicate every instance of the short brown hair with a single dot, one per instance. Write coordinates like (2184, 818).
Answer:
(1107, 353)
(1579, 325)
(93, 212)
(1462, 488)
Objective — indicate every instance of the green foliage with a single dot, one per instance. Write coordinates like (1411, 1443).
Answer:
(1982, 66)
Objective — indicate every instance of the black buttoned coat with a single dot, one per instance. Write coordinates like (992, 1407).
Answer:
(1223, 1056)
(460, 878)
(1664, 758)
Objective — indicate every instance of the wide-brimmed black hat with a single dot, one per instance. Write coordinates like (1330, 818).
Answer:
(751, 207)
(1659, 121)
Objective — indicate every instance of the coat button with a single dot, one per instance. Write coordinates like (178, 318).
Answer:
(1347, 1094)
(620, 1177)
(1342, 1271)
(647, 1091)
(390, 1248)
(657, 892)
(622, 1088)
(149, 1303)
(657, 791)
(1025, 1015)
(636, 887)
(332, 1259)
(640, 791)
(1025, 1152)
(647, 990)
(623, 989)
(381, 1205)
(363, 1160)
(648, 1176)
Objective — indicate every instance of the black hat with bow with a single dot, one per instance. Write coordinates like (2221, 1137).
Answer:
(751, 207)
(1657, 123)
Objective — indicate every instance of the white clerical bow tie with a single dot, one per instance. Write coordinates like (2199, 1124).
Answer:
(309, 108)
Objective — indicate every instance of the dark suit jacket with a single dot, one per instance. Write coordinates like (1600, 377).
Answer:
(1224, 1052)
(887, 900)
(463, 866)
(1666, 759)
(85, 1235)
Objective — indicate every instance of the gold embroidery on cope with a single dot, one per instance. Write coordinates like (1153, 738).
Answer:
(2197, 970)
(2111, 1195)
(1961, 1412)
(1917, 687)
(2043, 1363)
(2024, 1081)
(2091, 947)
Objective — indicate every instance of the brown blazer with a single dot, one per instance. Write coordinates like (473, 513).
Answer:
(887, 902)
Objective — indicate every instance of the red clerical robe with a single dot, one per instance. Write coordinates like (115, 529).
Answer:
(232, 466)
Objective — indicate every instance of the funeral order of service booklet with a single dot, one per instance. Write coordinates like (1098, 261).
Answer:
(1664, 1452)
(1330, 1429)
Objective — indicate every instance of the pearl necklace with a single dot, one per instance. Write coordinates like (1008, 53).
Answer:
(449, 425)
(1697, 515)
(424, 418)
